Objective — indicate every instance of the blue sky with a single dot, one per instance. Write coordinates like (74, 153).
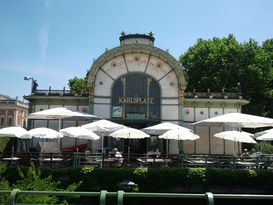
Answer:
(55, 40)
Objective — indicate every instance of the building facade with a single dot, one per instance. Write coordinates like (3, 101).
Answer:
(139, 85)
(13, 112)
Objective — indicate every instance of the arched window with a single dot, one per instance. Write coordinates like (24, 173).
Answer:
(136, 96)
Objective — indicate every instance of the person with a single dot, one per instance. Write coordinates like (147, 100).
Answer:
(118, 158)
(245, 152)
(253, 152)
(34, 86)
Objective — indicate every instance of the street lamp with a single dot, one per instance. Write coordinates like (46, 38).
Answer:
(30, 78)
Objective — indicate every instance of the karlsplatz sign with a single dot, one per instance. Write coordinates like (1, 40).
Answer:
(134, 100)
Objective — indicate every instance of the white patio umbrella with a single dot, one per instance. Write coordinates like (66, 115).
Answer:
(18, 132)
(103, 127)
(237, 120)
(61, 113)
(79, 132)
(266, 135)
(129, 133)
(236, 136)
(161, 128)
(178, 134)
(44, 133)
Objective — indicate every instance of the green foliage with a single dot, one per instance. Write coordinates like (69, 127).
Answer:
(4, 184)
(140, 172)
(31, 180)
(3, 143)
(86, 170)
(78, 85)
(147, 179)
(219, 64)
(264, 147)
(197, 175)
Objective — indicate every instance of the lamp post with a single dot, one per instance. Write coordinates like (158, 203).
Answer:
(32, 79)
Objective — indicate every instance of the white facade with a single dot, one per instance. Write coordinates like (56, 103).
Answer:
(137, 56)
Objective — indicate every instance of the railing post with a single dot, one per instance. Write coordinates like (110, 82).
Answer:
(209, 197)
(12, 196)
(103, 197)
(120, 197)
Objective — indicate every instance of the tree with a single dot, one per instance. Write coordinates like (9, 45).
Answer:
(3, 143)
(79, 85)
(219, 64)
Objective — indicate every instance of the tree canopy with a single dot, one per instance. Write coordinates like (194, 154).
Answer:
(78, 85)
(220, 64)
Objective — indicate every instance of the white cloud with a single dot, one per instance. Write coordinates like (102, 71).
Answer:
(43, 40)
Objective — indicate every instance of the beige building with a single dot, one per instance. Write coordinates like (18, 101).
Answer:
(13, 112)
(138, 85)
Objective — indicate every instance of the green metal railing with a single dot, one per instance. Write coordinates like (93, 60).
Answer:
(208, 198)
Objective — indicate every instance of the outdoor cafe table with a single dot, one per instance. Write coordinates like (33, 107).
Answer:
(153, 161)
(54, 161)
(107, 161)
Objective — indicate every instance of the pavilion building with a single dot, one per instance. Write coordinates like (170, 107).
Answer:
(139, 85)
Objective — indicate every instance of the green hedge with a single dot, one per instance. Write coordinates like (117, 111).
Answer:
(157, 179)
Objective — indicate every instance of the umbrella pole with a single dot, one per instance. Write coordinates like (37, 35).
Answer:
(60, 140)
(129, 154)
(102, 149)
(167, 148)
(12, 152)
(128, 151)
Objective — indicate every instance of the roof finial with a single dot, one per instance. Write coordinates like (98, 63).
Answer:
(122, 33)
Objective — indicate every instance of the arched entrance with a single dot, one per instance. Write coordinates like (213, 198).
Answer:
(136, 103)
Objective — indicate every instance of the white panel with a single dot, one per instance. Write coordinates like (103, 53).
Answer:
(102, 111)
(103, 84)
(71, 107)
(169, 101)
(188, 114)
(116, 67)
(136, 62)
(169, 85)
(217, 145)
(54, 106)
(230, 110)
(157, 68)
(101, 100)
(214, 112)
(40, 108)
(169, 112)
(201, 113)
(84, 109)
(173, 147)
(202, 144)
(187, 146)
(136, 40)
